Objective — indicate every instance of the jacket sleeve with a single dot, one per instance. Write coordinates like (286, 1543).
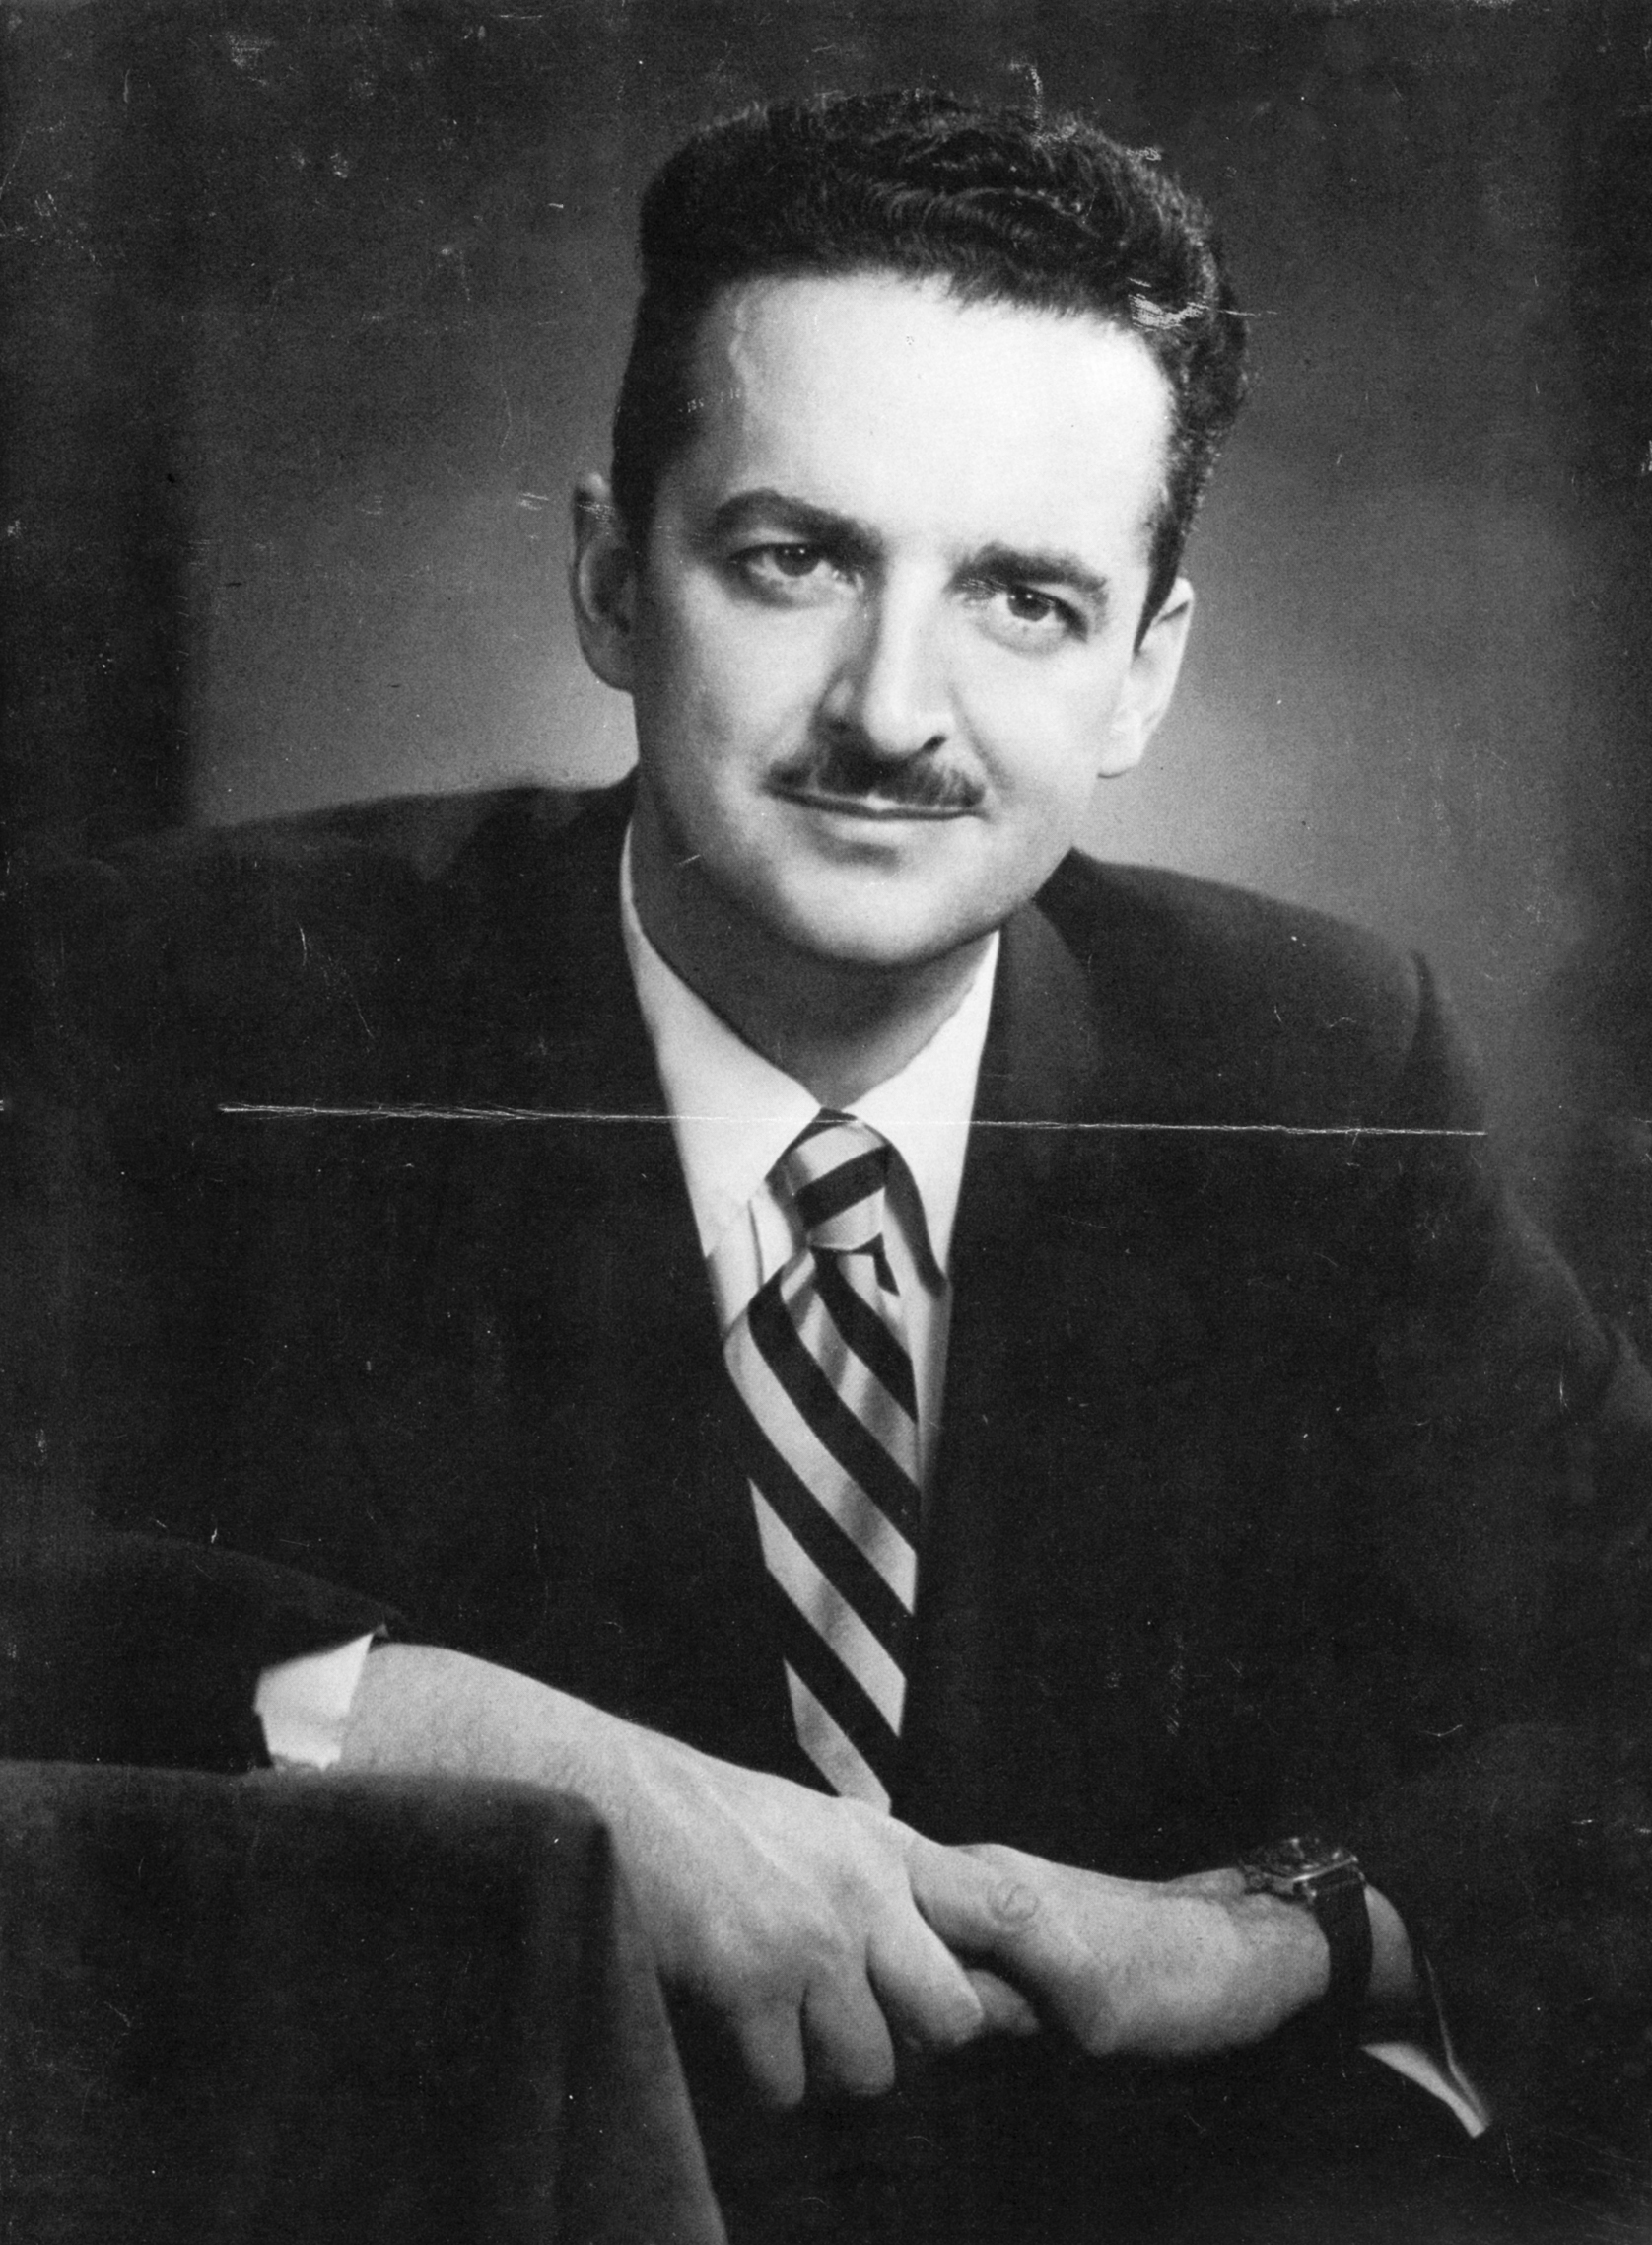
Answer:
(139, 1648)
(1510, 1472)
(148, 1649)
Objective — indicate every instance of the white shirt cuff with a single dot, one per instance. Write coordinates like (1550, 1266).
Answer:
(1431, 2063)
(303, 1704)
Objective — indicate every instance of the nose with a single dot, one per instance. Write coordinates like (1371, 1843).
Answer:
(889, 695)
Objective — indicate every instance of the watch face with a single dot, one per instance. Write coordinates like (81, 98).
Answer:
(1296, 1865)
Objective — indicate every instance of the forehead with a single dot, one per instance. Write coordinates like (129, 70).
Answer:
(892, 402)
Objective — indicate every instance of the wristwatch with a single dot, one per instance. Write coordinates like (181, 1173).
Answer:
(1328, 1881)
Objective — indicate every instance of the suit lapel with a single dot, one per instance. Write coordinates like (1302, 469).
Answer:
(1037, 1555)
(566, 1245)
(1032, 1075)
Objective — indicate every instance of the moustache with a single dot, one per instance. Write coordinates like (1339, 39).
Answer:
(842, 768)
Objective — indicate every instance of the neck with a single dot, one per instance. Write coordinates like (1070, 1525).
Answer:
(837, 1028)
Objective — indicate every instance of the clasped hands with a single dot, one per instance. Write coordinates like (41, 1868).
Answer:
(829, 1937)
(832, 1938)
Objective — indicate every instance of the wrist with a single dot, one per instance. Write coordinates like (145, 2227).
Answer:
(1293, 1938)
(1286, 1948)
(1256, 1961)
(1322, 1882)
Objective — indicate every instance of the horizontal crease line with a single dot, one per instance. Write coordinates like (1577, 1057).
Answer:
(260, 1110)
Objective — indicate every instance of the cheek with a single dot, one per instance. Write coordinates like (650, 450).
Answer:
(1043, 742)
(738, 692)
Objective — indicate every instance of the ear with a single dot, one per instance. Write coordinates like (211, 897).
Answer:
(1150, 682)
(602, 583)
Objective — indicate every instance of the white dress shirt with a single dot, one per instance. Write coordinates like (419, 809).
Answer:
(734, 1114)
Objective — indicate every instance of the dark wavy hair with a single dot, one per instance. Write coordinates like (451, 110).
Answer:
(1005, 207)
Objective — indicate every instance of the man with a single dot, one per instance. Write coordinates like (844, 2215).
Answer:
(958, 1395)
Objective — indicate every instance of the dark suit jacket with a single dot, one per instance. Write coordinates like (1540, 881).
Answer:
(1285, 1478)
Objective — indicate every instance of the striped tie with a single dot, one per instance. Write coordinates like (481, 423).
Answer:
(820, 1362)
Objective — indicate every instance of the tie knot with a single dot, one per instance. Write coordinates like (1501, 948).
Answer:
(836, 1172)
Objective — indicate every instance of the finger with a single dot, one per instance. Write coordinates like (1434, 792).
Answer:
(924, 1992)
(847, 2042)
(771, 2045)
(1004, 2011)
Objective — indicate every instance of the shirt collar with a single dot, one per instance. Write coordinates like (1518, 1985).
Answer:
(736, 1113)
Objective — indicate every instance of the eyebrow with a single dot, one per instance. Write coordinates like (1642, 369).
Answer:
(839, 534)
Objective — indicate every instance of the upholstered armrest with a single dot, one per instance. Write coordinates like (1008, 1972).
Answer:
(370, 2009)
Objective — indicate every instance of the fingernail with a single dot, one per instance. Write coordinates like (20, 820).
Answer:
(1015, 1903)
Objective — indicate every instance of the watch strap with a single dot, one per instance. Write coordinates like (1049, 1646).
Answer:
(1344, 1919)
(1326, 1879)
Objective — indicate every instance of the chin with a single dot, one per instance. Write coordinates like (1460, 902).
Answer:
(870, 941)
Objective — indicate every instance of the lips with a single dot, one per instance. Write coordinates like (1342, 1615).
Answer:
(877, 808)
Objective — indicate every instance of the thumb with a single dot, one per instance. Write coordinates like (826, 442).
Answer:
(996, 1907)
(979, 1909)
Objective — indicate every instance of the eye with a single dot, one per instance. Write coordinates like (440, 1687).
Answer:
(1030, 608)
(1023, 617)
(791, 560)
(786, 567)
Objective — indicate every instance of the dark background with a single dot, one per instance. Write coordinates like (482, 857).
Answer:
(313, 310)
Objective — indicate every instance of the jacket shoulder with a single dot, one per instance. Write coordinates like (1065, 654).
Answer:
(323, 949)
(1263, 1011)
(418, 837)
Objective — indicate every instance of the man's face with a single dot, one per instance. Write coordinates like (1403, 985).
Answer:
(883, 638)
